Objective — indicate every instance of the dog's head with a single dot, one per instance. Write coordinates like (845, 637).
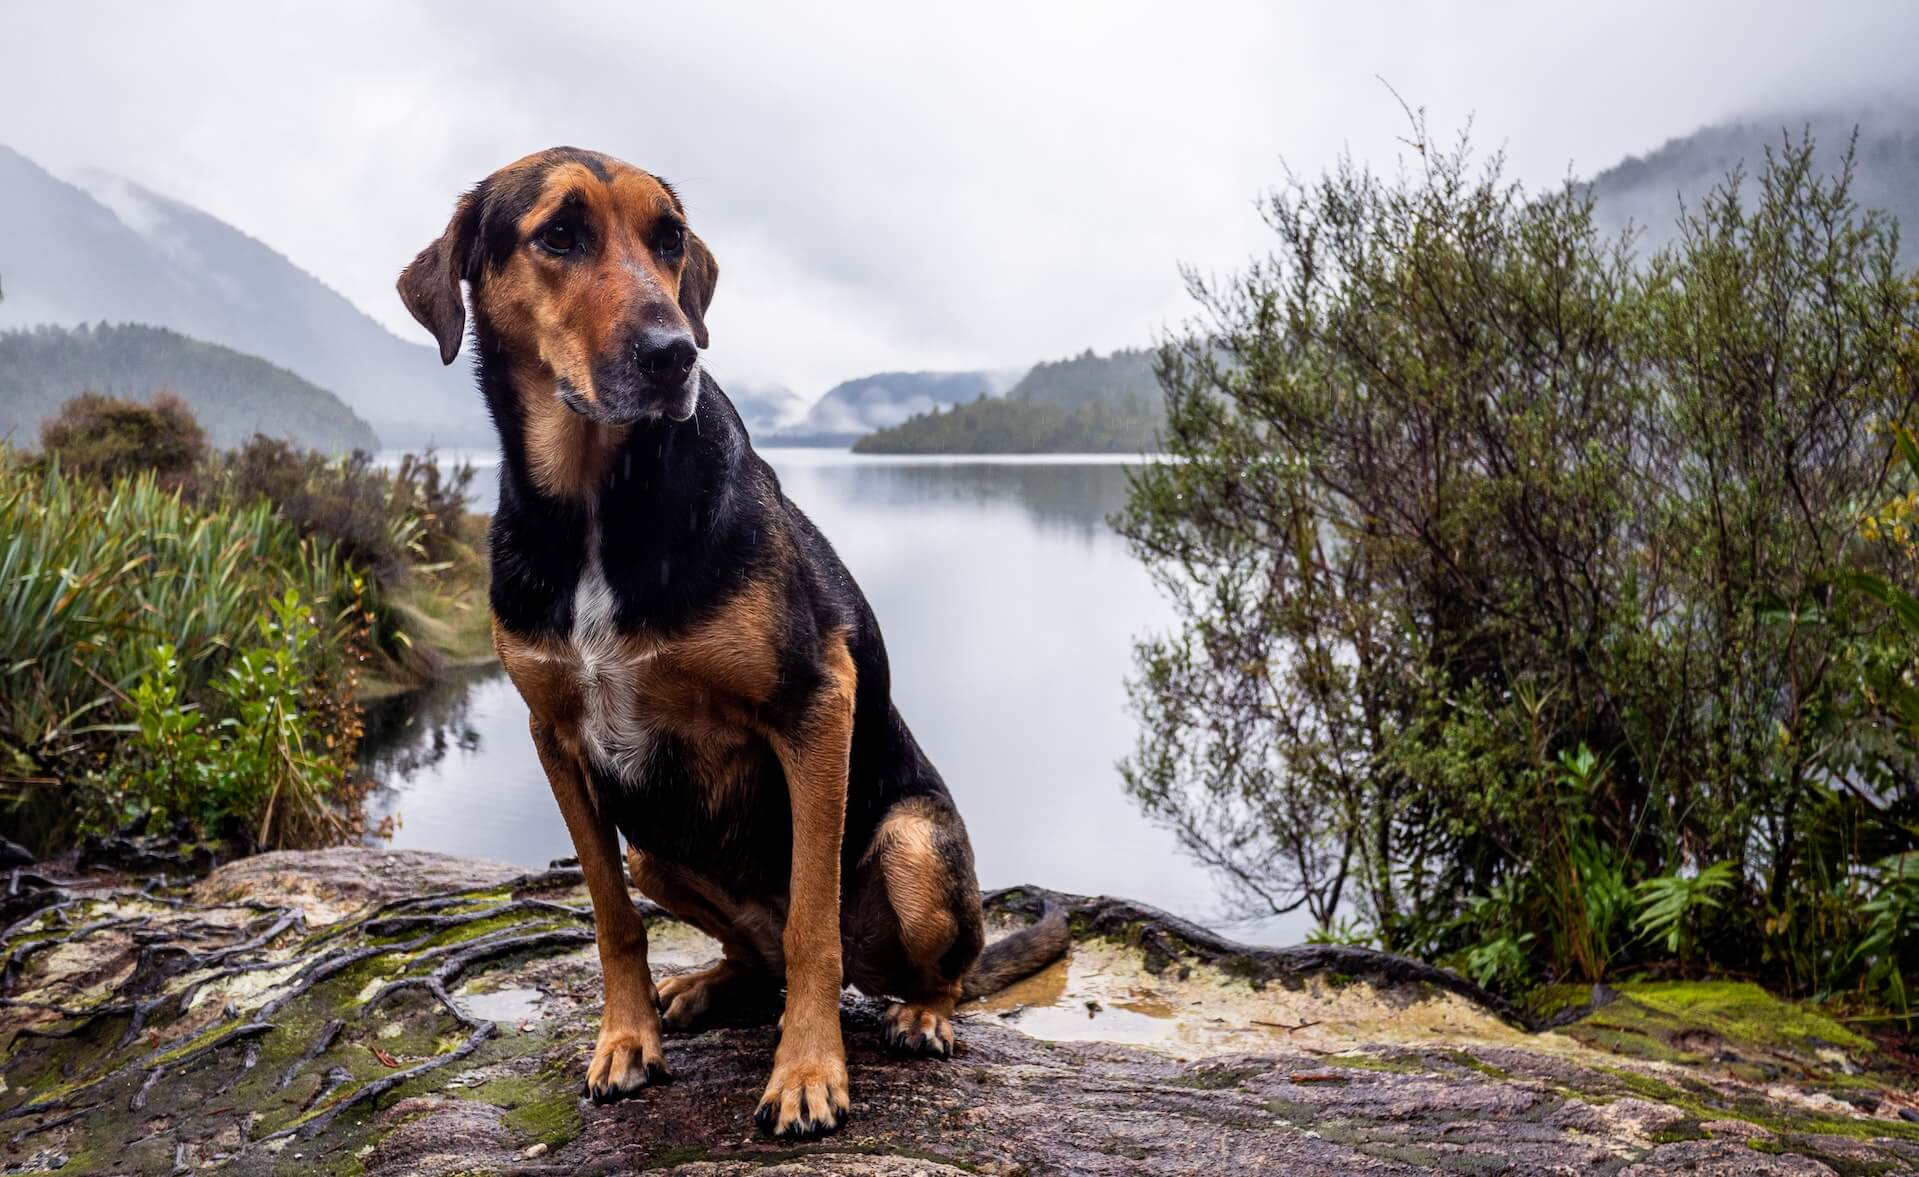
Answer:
(583, 268)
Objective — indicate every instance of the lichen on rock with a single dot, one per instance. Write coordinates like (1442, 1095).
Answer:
(353, 1011)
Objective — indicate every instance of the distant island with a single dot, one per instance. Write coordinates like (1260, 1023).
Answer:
(1086, 404)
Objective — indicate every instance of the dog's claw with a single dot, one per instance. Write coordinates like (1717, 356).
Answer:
(623, 1068)
(804, 1101)
(916, 1031)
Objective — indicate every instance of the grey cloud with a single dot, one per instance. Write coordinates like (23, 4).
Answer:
(887, 187)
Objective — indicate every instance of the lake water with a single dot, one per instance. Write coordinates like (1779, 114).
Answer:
(1009, 608)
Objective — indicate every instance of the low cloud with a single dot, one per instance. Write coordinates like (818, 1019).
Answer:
(886, 187)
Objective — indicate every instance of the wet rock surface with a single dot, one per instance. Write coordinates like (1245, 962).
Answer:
(354, 1011)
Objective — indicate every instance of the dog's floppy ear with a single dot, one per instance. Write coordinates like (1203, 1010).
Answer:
(702, 273)
(430, 287)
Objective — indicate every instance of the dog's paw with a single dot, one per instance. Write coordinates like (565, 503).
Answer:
(914, 1029)
(623, 1065)
(805, 1098)
(687, 998)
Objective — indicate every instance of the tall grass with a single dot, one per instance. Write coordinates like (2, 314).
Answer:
(95, 576)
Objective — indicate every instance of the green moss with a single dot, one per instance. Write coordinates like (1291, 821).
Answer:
(1461, 1058)
(1548, 1001)
(1645, 1086)
(542, 1107)
(1740, 1011)
(1402, 1064)
(1687, 1129)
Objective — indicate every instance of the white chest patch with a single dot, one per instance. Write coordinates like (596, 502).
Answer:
(608, 672)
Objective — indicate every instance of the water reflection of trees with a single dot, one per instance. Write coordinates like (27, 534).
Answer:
(409, 732)
(1072, 497)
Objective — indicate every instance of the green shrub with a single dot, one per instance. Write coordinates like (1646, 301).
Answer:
(94, 576)
(1461, 489)
(107, 437)
(253, 749)
(385, 521)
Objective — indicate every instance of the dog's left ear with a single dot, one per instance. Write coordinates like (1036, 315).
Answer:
(430, 287)
(702, 273)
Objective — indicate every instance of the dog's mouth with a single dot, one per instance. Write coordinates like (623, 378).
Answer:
(623, 404)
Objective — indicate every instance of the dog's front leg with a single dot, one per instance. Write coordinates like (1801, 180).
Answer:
(808, 1094)
(627, 1056)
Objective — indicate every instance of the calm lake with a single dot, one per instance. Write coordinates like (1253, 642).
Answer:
(1009, 608)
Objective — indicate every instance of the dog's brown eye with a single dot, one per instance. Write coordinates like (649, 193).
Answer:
(671, 238)
(559, 237)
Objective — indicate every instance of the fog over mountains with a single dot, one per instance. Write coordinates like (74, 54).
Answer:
(115, 251)
(101, 248)
(1645, 190)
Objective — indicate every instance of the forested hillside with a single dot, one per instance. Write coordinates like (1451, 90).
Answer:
(1647, 190)
(1086, 404)
(113, 251)
(233, 395)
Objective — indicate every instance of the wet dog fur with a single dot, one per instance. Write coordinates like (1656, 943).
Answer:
(703, 675)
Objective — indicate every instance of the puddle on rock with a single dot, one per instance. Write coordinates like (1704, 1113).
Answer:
(515, 1006)
(675, 946)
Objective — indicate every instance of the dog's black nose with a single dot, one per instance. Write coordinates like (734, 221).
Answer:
(667, 359)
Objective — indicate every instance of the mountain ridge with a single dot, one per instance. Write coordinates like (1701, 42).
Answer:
(155, 260)
(233, 395)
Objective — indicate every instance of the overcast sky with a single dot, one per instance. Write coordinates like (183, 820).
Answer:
(886, 185)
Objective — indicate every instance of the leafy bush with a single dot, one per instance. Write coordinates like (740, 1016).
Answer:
(94, 576)
(384, 521)
(261, 754)
(106, 437)
(1463, 489)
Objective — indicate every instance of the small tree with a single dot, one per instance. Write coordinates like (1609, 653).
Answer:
(106, 437)
(1461, 489)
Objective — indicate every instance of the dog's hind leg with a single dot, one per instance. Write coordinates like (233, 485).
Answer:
(748, 936)
(914, 927)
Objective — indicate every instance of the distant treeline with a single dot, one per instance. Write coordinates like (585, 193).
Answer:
(1086, 404)
(233, 395)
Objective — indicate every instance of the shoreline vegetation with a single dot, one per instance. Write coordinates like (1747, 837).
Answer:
(186, 634)
(1546, 609)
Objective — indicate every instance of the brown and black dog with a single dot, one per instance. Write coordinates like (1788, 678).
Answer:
(704, 676)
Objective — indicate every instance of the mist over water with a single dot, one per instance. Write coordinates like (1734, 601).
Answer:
(1009, 608)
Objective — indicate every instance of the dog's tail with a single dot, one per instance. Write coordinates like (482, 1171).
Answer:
(1018, 955)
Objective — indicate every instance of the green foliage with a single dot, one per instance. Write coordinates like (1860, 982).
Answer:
(1890, 945)
(104, 437)
(1670, 906)
(262, 754)
(385, 521)
(94, 576)
(233, 395)
(1521, 579)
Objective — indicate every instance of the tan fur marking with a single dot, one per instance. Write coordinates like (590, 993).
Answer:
(748, 932)
(551, 692)
(811, 1059)
(628, 1050)
(567, 454)
(916, 881)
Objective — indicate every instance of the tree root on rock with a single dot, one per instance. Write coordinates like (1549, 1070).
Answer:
(176, 961)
